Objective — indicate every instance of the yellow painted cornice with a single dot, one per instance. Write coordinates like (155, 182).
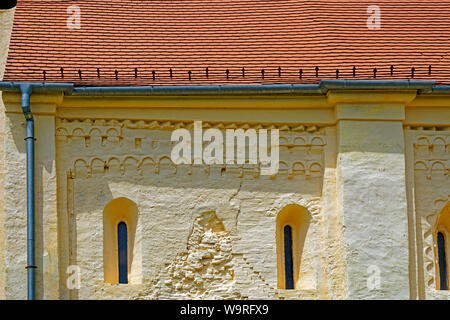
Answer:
(50, 98)
(41, 103)
(370, 97)
(335, 105)
(222, 102)
(430, 100)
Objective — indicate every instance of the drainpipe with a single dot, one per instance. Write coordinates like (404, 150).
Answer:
(26, 90)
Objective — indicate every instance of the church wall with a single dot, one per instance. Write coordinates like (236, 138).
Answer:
(429, 162)
(102, 160)
(208, 231)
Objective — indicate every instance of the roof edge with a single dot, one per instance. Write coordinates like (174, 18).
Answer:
(230, 90)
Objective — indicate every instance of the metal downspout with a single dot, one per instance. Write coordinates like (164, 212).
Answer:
(26, 90)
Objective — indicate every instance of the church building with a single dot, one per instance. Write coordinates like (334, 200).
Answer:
(225, 149)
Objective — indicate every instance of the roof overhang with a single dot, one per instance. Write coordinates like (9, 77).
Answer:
(425, 87)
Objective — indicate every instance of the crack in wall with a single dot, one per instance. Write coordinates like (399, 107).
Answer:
(236, 219)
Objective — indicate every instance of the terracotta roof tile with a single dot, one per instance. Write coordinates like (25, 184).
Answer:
(192, 35)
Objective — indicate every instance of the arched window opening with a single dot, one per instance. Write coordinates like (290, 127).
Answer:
(292, 226)
(288, 262)
(123, 252)
(120, 219)
(442, 260)
(440, 237)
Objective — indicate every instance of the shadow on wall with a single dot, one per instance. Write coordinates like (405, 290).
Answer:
(44, 167)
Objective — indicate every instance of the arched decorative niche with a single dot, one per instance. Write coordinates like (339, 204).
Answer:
(441, 238)
(120, 217)
(292, 224)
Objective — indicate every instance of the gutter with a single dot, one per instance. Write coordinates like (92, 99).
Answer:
(420, 86)
(222, 90)
(210, 90)
(26, 89)
(264, 89)
(441, 90)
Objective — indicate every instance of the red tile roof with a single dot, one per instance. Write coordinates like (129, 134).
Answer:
(192, 35)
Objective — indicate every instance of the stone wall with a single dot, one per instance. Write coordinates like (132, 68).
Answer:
(203, 231)
(369, 168)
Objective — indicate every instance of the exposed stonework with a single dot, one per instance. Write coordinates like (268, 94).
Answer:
(205, 270)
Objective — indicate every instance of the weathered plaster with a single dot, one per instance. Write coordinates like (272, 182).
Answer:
(6, 23)
(372, 200)
(371, 187)
(171, 198)
(430, 155)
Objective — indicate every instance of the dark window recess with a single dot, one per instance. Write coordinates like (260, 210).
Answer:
(442, 261)
(123, 252)
(288, 262)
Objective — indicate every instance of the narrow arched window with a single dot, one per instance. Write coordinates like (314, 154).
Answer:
(122, 252)
(442, 261)
(291, 227)
(121, 259)
(288, 260)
